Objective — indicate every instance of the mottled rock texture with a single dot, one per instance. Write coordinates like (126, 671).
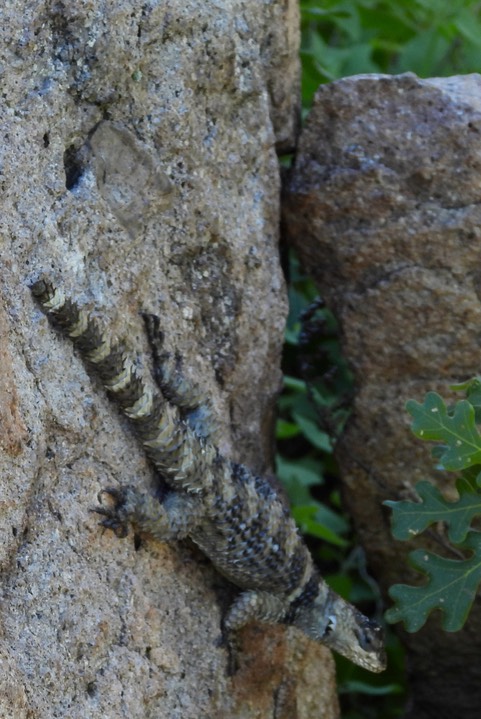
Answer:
(383, 206)
(171, 205)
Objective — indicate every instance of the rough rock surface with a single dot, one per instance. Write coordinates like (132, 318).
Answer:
(383, 206)
(171, 205)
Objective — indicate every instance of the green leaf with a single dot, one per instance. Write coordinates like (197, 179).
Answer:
(411, 518)
(311, 431)
(468, 26)
(306, 471)
(471, 386)
(472, 389)
(308, 518)
(423, 52)
(291, 336)
(286, 430)
(456, 429)
(451, 587)
(297, 476)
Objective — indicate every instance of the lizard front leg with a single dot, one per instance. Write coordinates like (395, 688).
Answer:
(250, 606)
(174, 518)
(255, 606)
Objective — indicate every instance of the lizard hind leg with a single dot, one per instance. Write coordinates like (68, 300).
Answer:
(194, 406)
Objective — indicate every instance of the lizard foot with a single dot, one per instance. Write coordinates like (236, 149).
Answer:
(117, 516)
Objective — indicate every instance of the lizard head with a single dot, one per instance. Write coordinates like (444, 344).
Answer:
(344, 629)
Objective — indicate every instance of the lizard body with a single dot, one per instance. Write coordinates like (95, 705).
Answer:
(235, 517)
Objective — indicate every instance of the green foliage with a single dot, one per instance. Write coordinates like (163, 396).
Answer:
(412, 518)
(451, 587)
(428, 37)
(457, 430)
(451, 583)
(311, 414)
(339, 38)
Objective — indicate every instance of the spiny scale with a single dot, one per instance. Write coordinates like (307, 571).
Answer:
(235, 517)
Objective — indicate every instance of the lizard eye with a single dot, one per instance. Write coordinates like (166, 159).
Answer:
(369, 636)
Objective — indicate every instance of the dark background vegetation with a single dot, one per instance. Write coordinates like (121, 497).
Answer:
(430, 38)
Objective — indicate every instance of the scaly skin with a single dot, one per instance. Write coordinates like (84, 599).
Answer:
(235, 517)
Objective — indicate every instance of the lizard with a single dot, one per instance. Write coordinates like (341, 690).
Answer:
(238, 519)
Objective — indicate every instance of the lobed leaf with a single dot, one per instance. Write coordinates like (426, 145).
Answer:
(457, 430)
(472, 390)
(451, 587)
(410, 518)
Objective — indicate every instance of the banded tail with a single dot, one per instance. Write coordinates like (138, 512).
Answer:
(175, 449)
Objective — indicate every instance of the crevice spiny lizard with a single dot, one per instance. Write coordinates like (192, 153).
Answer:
(235, 517)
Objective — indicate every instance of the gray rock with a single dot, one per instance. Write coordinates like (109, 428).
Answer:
(383, 208)
(127, 177)
(93, 626)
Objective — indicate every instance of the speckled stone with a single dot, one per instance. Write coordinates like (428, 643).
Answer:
(383, 206)
(205, 93)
